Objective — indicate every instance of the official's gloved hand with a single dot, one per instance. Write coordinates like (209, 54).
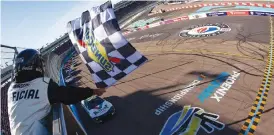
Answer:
(99, 92)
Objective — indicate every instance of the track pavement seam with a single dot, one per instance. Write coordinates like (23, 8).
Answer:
(257, 109)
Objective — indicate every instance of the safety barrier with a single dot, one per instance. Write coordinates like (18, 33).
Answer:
(58, 123)
(63, 83)
(216, 4)
(204, 15)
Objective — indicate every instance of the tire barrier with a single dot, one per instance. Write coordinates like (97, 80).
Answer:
(204, 15)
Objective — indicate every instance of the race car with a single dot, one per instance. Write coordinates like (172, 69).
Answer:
(98, 109)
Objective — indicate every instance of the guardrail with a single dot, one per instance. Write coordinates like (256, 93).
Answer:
(62, 82)
(58, 123)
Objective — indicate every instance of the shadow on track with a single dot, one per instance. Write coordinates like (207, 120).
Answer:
(135, 116)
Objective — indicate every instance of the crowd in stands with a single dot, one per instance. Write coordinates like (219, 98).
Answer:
(5, 129)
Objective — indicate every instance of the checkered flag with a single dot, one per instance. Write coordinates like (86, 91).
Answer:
(102, 47)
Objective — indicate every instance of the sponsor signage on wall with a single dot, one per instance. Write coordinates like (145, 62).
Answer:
(258, 13)
(216, 14)
(237, 13)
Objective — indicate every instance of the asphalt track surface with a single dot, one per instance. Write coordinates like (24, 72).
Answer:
(175, 62)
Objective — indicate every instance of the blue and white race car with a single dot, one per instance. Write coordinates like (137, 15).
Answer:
(98, 109)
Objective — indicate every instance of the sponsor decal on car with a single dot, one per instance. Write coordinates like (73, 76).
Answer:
(99, 109)
(205, 30)
(189, 121)
(96, 106)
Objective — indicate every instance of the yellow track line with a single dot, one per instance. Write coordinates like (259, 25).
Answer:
(257, 109)
(203, 51)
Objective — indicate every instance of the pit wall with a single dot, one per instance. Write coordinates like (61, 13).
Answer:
(204, 15)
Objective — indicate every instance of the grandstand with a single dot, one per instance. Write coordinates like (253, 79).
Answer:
(5, 129)
(128, 9)
(7, 55)
(62, 48)
(122, 4)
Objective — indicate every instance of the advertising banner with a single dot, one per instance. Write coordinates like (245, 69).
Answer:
(216, 14)
(237, 13)
(258, 13)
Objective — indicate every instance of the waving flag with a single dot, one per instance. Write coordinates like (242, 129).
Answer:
(102, 47)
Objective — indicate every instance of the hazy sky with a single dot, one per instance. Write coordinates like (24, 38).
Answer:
(32, 24)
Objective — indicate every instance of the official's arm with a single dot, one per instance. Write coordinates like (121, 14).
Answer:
(67, 94)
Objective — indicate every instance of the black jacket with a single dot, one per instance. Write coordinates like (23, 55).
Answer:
(67, 94)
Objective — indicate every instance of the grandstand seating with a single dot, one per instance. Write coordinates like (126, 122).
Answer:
(130, 8)
(4, 110)
(121, 4)
(63, 48)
